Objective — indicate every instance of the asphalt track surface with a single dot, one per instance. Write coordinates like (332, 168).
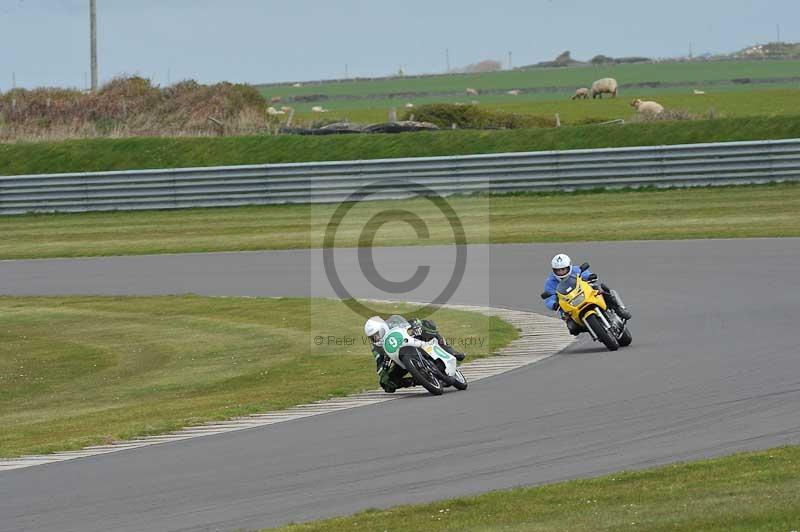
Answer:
(714, 369)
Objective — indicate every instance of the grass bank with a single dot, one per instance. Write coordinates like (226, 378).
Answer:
(722, 212)
(142, 153)
(78, 371)
(747, 492)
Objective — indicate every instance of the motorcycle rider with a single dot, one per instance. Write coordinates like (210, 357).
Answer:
(562, 269)
(391, 376)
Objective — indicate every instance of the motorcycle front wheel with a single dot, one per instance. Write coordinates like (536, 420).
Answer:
(422, 373)
(603, 334)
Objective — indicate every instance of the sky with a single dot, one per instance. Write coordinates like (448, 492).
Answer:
(46, 42)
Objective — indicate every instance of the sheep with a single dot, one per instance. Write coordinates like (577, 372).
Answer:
(603, 86)
(319, 109)
(297, 85)
(581, 94)
(273, 112)
(472, 92)
(699, 92)
(286, 109)
(652, 108)
(514, 92)
(275, 99)
(409, 105)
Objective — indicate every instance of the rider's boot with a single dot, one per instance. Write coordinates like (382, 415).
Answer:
(616, 303)
(406, 382)
(457, 354)
(574, 328)
(620, 308)
(385, 380)
(447, 347)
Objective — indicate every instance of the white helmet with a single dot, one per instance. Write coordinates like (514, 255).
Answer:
(376, 329)
(562, 266)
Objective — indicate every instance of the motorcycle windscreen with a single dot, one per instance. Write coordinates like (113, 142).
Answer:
(395, 321)
(566, 286)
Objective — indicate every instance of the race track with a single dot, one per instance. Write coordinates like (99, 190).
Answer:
(714, 369)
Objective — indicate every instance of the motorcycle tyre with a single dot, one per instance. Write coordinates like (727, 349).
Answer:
(625, 338)
(602, 333)
(459, 384)
(424, 376)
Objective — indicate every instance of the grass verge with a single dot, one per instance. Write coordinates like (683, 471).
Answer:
(78, 371)
(714, 212)
(142, 153)
(747, 492)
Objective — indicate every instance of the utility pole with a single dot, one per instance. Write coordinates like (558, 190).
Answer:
(447, 59)
(779, 33)
(691, 50)
(509, 60)
(93, 31)
(346, 71)
(13, 80)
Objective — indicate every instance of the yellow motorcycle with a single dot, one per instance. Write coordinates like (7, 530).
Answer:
(586, 305)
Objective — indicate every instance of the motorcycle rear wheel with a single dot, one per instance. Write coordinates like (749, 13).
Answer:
(459, 381)
(603, 334)
(625, 338)
(422, 374)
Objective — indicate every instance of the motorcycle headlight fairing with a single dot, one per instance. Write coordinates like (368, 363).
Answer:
(578, 300)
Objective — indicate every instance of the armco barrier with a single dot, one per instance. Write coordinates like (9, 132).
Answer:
(328, 182)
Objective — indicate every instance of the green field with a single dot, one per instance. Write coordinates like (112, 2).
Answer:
(768, 91)
(719, 212)
(738, 102)
(765, 103)
(141, 153)
(78, 371)
(751, 492)
(580, 76)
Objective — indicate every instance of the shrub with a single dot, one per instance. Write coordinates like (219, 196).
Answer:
(128, 106)
(445, 115)
(634, 59)
(601, 59)
(489, 65)
(671, 115)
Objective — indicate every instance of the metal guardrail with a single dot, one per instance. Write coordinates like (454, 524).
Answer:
(329, 182)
